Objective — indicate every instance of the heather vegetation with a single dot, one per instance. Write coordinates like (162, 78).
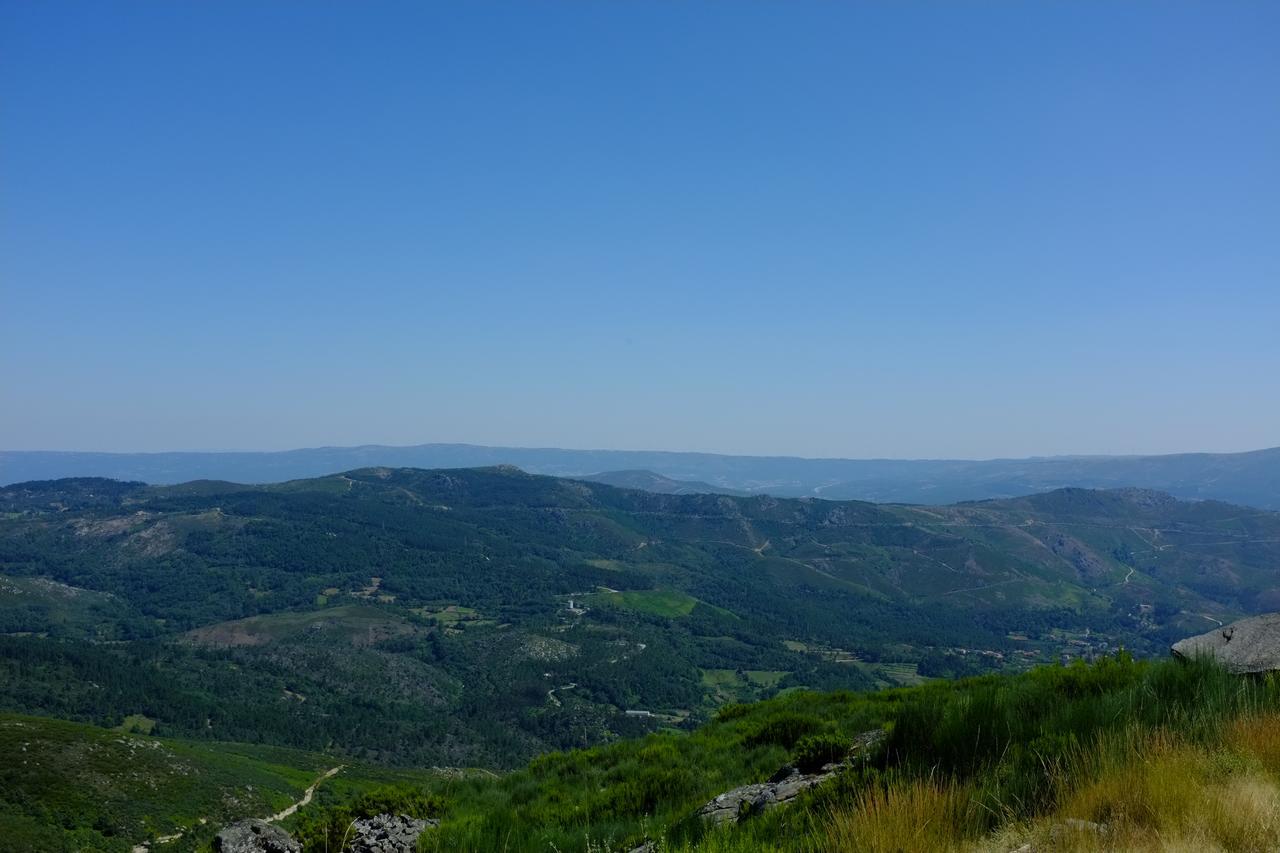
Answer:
(1128, 745)
(1120, 753)
(71, 787)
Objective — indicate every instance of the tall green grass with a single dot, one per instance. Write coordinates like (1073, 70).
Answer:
(987, 753)
(1015, 733)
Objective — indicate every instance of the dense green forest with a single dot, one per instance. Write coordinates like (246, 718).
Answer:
(481, 617)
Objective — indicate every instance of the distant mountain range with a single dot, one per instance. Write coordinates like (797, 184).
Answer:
(649, 481)
(1251, 478)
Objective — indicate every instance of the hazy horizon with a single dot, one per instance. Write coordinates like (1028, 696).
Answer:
(956, 231)
(616, 450)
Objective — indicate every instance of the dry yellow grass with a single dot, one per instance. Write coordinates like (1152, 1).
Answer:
(922, 816)
(1151, 791)
(1257, 736)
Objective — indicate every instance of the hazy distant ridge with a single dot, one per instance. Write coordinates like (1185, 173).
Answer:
(1251, 478)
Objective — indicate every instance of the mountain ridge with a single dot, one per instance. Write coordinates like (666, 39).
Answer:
(1250, 478)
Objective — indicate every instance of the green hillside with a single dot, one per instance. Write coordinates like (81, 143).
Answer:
(979, 764)
(69, 786)
(481, 617)
(1167, 755)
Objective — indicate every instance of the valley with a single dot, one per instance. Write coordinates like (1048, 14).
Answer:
(422, 618)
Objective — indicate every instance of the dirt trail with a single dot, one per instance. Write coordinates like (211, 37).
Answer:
(306, 796)
(145, 847)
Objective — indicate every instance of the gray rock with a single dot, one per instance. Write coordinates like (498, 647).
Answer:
(866, 744)
(254, 836)
(785, 785)
(387, 833)
(1248, 646)
(647, 847)
(731, 805)
(1074, 825)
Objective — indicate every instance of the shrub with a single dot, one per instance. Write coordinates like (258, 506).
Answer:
(732, 711)
(814, 752)
(784, 729)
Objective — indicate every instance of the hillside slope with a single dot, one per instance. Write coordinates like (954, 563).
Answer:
(1119, 754)
(478, 617)
(68, 786)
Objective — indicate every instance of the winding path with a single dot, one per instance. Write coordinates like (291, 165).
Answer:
(551, 694)
(306, 796)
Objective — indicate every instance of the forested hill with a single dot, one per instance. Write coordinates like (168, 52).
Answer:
(480, 616)
(1251, 478)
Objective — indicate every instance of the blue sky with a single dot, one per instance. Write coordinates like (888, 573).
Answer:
(858, 229)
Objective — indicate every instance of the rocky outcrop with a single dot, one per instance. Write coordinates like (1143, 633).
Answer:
(785, 785)
(1248, 646)
(730, 806)
(254, 836)
(386, 833)
(1061, 836)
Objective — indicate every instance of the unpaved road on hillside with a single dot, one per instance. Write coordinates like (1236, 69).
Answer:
(306, 796)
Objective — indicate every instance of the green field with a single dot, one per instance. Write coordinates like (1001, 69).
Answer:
(668, 603)
(137, 724)
(450, 614)
(893, 674)
(728, 685)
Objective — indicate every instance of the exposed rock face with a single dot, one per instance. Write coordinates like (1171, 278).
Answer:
(731, 805)
(387, 833)
(254, 836)
(1250, 645)
(784, 786)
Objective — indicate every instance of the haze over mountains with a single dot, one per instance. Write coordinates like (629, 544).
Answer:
(1250, 478)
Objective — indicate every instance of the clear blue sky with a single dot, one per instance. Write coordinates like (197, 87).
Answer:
(857, 229)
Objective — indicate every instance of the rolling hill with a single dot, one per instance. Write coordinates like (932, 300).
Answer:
(1251, 478)
(479, 617)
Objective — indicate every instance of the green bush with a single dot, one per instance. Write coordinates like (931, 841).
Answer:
(785, 730)
(814, 752)
(732, 711)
